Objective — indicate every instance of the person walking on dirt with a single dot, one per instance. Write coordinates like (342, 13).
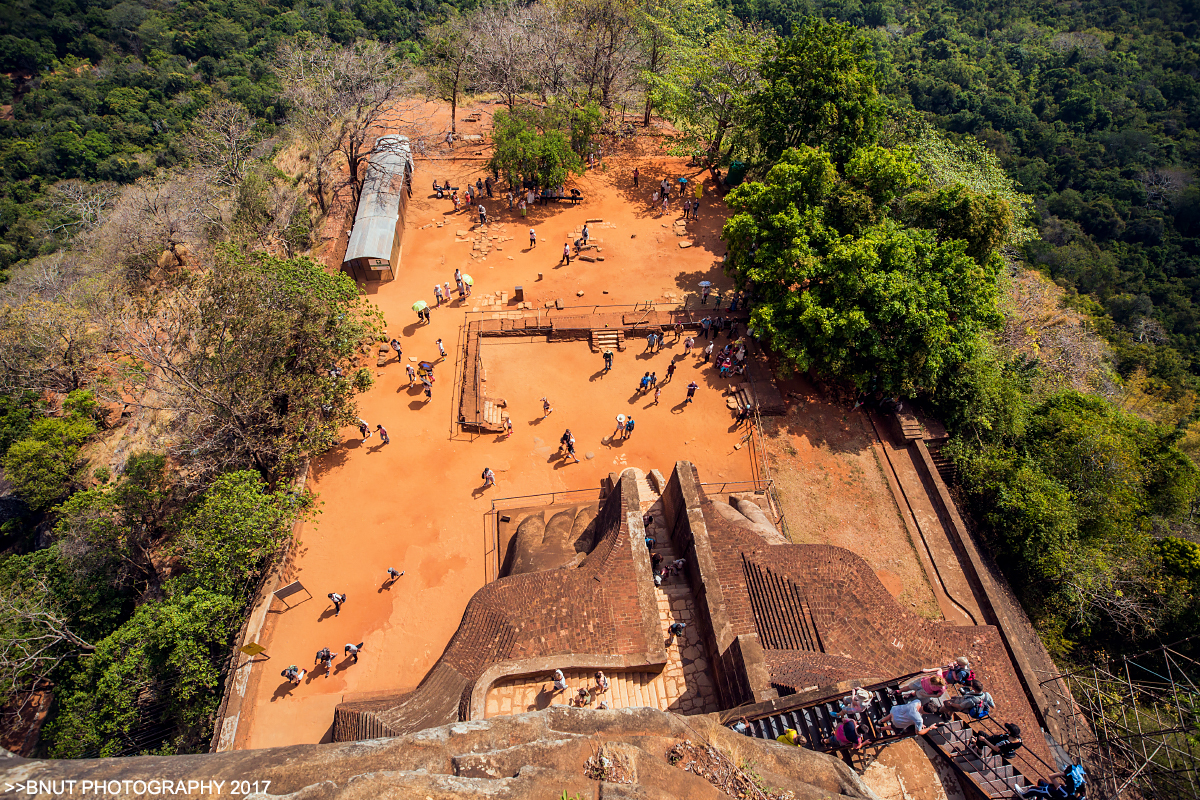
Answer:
(437, 293)
(428, 392)
(688, 344)
(705, 325)
(487, 185)
(608, 360)
(352, 650)
(670, 372)
(441, 350)
(687, 208)
(478, 187)
(571, 449)
(392, 575)
(337, 600)
(294, 674)
(584, 234)
(507, 426)
(412, 373)
(678, 331)
(489, 477)
(691, 395)
(635, 177)
(657, 394)
(532, 238)
(325, 659)
(628, 427)
(653, 380)
(364, 430)
(482, 215)
(383, 435)
(649, 343)
(708, 351)
(566, 257)
(395, 343)
(644, 383)
(546, 409)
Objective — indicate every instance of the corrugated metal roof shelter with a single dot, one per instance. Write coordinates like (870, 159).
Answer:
(373, 253)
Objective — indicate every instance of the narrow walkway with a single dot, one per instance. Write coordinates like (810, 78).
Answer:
(938, 554)
(683, 685)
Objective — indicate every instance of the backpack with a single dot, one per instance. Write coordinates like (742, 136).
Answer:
(979, 710)
(1075, 777)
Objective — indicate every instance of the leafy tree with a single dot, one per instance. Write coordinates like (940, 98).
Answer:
(955, 213)
(158, 671)
(820, 90)
(450, 51)
(255, 359)
(845, 292)
(529, 144)
(233, 533)
(706, 89)
(43, 465)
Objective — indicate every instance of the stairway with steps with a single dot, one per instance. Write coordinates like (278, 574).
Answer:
(814, 720)
(493, 417)
(781, 614)
(944, 465)
(910, 427)
(607, 339)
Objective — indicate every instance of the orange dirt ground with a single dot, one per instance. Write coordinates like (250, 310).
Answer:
(416, 504)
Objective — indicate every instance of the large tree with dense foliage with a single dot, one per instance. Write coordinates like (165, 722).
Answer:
(846, 291)
(820, 90)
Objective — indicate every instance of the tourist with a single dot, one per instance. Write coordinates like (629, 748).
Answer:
(441, 350)
(482, 215)
(925, 687)
(454, 198)
(653, 380)
(691, 395)
(546, 409)
(462, 289)
(412, 373)
(666, 202)
(704, 290)
(585, 234)
(509, 197)
(719, 322)
(562, 441)
(647, 520)
(601, 682)
(337, 599)
(957, 672)
(395, 344)
(392, 575)
(687, 208)
(487, 185)
(635, 177)
(532, 238)
(478, 187)
(705, 323)
(708, 351)
(670, 372)
(657, 394)
(1074, 781)
(1004, 744)
(325, 659)
(364, 430)
(846, 734)
(294, 674)
(352, 650)
(649, 343)
(742, 726)
(675, 631)
(678, 331)
(696, 209)
(571, 449)
(566, 256)
(522, 208)
(974, 702)
(688, 344)
(908, 715)
(582, 698)
(733, 301)
(854, 703)
(620, 431)
(655, 559)
(383, 435)
(1055, 790)
(644, 384)
(507, 426)
(628, 427)
(428, 392)
(790, 737)
(560, 681)
(489, 477)
(608, 360)
(437, 293)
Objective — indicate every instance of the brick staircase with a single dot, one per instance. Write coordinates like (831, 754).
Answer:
(945, 466)
(493, 417)
(607, 339)
(781, 614)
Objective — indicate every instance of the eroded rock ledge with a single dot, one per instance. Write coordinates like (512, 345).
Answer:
(537, 755)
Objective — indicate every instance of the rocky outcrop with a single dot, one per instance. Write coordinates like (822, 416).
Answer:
(537, 755)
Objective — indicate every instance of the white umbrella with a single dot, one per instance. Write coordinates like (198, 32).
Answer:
(706, 283)
(621, 418)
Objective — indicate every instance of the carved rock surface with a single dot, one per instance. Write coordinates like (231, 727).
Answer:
(536, 755)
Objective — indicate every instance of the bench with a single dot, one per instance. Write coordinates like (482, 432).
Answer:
(572, 198)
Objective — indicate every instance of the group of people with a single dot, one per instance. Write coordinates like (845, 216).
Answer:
(586, 695)
(441, 293)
